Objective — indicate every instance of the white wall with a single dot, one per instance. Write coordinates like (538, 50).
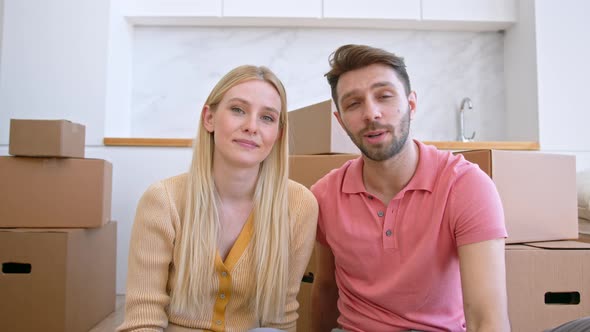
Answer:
(117, 113)
(174, 69)
(520, 75)
(53, 62)
(563, 53)
(134, 169)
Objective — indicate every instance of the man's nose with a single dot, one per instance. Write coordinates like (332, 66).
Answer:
(371, 111)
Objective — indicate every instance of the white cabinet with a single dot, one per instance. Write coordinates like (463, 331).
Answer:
(377, 9)
(180, 8)
(469, 10)
(273, 8)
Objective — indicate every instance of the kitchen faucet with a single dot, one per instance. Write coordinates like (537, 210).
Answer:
(462, 137)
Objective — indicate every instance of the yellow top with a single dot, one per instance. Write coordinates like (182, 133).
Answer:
(151, 272)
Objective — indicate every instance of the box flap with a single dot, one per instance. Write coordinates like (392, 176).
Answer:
(517, 247)
(563, 245)
(40, 230)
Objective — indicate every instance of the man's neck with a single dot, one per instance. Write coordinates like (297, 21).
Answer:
(384, 179)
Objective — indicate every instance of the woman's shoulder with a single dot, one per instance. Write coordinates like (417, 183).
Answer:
(297, 191)
(176, 180)
(301, 200)
(173, 186)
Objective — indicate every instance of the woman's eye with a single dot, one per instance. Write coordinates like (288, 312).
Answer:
(268, 118)
(237, 110)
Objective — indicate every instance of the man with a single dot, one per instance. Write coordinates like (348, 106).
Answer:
(409, 237)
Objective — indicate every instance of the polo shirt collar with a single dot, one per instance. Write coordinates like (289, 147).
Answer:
(424, 178)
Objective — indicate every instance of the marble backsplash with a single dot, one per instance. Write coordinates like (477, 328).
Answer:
(174, 69)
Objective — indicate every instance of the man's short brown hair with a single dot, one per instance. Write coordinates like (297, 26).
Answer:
(351, 57)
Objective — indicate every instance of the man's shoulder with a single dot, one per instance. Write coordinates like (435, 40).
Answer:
(461, 173)
(450, 167)
(449, 162)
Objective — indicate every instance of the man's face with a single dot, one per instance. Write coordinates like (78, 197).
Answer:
(375, 110)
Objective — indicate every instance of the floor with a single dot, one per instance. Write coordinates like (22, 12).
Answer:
(110, 323)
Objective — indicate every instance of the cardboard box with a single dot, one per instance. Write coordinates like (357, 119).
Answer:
(584, 230)
(315, 130)
(304, 311)
(304, 296)
(548, 284)
(538, 192)
(54, 192)
(56, 280)
(308, 169)
(46, 138)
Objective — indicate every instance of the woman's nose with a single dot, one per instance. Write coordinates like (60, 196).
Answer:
(250, 124)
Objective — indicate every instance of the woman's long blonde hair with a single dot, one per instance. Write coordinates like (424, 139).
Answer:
(197, 245)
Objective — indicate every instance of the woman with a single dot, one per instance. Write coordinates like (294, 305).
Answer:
(224, 247)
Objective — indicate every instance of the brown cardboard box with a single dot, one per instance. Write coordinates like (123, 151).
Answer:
(315, 130)
(548, 284)
(538, 192)
(304, 297)
(308, 169)
(304, 311)
(54, 192)
(56, 280)
(584, 230)
(46, 138)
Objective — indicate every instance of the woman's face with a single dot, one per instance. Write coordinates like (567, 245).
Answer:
(245, 125)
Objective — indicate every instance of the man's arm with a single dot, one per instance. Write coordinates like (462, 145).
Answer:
(324, 294)
(483, 280)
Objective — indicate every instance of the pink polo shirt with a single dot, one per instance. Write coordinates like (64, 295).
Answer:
(397, 266)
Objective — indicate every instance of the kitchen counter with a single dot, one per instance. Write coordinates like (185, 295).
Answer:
(448, 145)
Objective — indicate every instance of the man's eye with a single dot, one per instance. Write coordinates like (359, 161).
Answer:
(353, 104)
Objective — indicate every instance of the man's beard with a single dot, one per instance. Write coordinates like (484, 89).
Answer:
(384, 152)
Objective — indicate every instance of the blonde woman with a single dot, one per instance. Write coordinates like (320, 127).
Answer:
(224, 247)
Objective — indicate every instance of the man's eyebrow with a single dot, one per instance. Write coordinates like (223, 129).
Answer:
(381, 84)
(373, 86)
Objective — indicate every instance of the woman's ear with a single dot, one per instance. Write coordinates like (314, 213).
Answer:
(208, 118)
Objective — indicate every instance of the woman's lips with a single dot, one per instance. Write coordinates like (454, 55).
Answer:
(246, 143)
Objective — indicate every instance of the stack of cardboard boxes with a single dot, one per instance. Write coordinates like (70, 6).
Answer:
(548, 277)
(317, 145)
(57, 240)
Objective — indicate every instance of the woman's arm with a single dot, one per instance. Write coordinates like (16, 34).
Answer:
(150, 254)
